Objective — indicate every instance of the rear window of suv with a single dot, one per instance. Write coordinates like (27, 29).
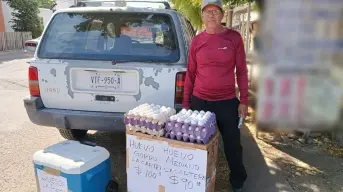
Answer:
(111, 36)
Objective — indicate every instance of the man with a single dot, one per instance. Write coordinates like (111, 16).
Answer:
(210, 83)
(123, 43)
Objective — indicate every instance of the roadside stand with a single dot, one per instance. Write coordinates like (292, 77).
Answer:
(165, 152)
(168, 152)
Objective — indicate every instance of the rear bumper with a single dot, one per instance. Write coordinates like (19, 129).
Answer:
(69, 119)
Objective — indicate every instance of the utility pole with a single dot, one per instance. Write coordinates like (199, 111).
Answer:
(229, 17)
(247, 27)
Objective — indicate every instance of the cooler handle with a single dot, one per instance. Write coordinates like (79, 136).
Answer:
(89, 143)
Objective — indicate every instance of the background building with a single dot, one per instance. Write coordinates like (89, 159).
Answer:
(6, 16)
(62, 4)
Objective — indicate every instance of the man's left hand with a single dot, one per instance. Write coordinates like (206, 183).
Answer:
(242, 110)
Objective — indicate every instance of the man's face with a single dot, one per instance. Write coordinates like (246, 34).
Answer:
(125, 28)
(212, 16)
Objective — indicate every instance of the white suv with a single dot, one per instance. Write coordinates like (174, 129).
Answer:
(93, 64)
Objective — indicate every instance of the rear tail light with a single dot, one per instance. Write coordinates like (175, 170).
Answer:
(179, 87)
(30, 44)
(33, 82)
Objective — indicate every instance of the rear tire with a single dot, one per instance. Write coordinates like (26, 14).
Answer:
(73, 134)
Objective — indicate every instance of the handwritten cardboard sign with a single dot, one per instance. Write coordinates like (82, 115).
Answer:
(156, 166)
(51, 183)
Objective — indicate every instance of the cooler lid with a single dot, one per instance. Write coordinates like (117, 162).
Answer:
(71, 157)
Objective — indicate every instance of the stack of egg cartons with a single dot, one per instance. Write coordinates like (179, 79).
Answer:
(191, 126)
(148, 118)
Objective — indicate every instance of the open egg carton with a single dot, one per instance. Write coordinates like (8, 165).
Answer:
(148, 118)
(191, 126)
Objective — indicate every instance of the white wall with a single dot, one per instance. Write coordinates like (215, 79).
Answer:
(46, 15)
(63, 4)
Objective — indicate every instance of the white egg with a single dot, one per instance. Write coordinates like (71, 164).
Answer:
(194, 122)
(173, 118)
(194, 115)
(183, 111)
(150, 115)
(187, 120)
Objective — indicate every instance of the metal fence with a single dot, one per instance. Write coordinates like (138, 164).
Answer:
(13, 40)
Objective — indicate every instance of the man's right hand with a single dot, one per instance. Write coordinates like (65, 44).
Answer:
(185, 106)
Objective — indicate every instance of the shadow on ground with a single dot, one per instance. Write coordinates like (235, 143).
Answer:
(263, 174)
(308, 169)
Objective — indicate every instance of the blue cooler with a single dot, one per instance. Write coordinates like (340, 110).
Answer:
(70, 166)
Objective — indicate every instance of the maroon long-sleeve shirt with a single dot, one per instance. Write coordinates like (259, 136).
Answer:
(212, 61)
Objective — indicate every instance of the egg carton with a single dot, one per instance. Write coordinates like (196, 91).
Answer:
(190, 138)
(145, 130)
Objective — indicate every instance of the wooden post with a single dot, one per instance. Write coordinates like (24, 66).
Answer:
(247, 27)
(229, 17)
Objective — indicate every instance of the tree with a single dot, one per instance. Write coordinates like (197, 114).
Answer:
(25, 17)
(47, 4)
(191, 9)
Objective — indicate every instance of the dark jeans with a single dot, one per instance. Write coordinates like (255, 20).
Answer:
(227, 119)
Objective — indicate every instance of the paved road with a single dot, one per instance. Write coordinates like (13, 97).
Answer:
(19, 139)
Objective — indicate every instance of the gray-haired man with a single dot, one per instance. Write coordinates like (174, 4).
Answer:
(210, 83)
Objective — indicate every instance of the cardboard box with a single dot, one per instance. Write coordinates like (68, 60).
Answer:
(157, 164)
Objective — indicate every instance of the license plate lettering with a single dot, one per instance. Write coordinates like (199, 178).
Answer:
(105, 81)
(110, 80)
(95, 79)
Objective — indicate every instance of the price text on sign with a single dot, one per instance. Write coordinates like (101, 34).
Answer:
(174, 168)
(51, 183)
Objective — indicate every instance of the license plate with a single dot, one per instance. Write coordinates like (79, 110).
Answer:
(105, 81)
